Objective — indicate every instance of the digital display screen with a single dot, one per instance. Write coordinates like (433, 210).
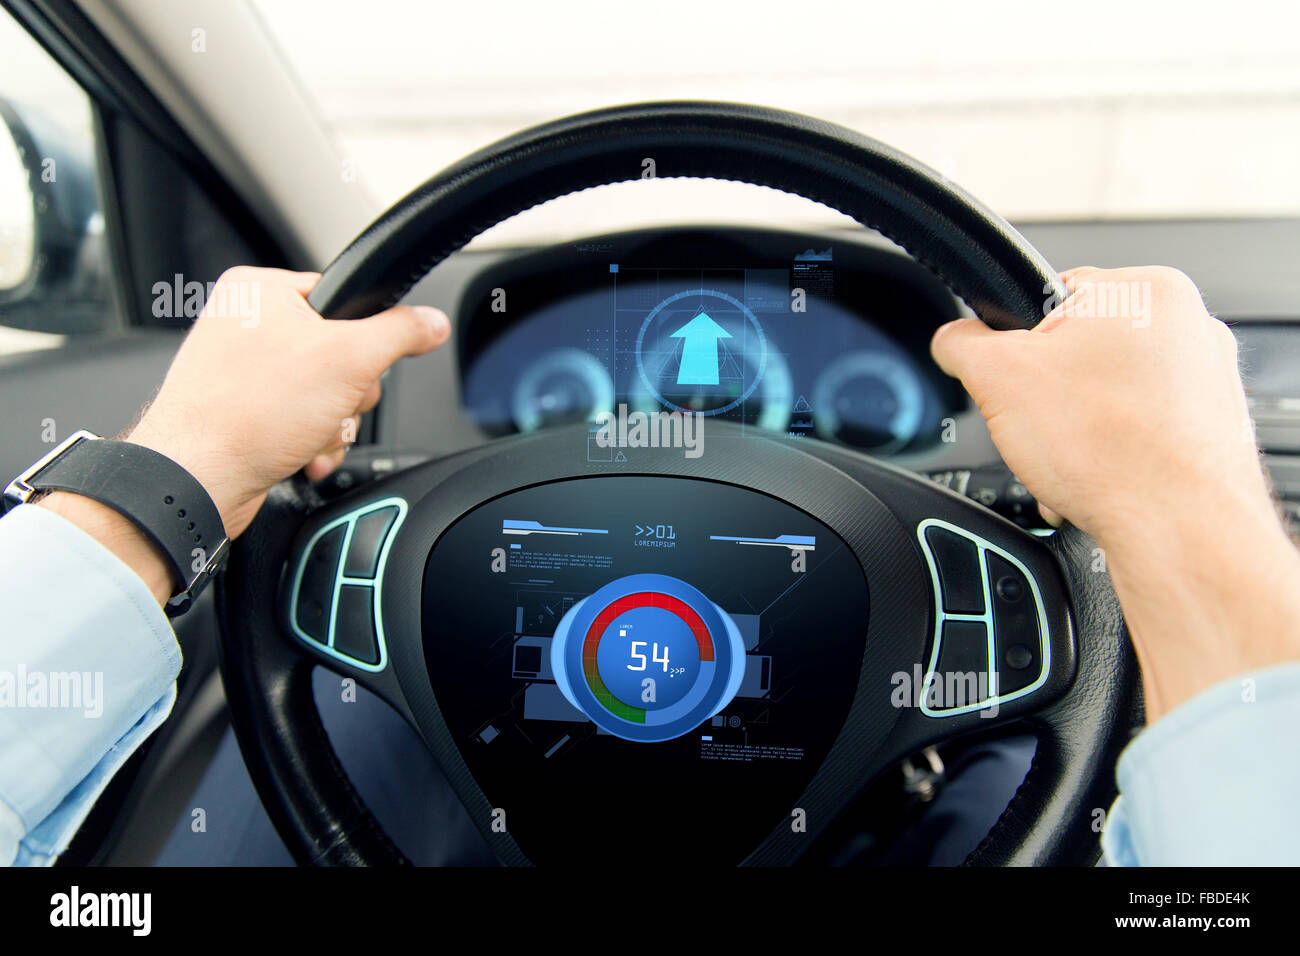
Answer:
(772, 347)
(674, 651)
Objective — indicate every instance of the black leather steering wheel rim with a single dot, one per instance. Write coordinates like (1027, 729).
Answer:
(973, 250)
(981, 257)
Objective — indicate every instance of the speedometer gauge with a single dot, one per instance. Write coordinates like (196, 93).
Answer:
(561, 386)
(869, 399)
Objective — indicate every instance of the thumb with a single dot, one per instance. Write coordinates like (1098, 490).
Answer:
(962, 347)
(402, 330)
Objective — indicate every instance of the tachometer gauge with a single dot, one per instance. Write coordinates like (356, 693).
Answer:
(561, 386)
(872, 400)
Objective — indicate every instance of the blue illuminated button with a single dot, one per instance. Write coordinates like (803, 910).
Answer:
(648, 657)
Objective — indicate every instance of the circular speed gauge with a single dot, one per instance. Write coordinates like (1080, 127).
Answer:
(561, 386)
(871, 400)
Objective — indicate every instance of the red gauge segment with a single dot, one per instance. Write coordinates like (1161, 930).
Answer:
(645, 599)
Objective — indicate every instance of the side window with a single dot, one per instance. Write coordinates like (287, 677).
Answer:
(54, 267)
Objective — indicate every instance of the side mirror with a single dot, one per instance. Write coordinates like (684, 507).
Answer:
(48, 207)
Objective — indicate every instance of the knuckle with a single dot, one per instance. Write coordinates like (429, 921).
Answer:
(1010, 348)
(1226, 338)
(1170, 280)
(237, 274)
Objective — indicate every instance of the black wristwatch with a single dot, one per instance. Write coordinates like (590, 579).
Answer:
(150, 490)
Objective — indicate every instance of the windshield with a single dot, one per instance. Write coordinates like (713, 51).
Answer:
(1111, 109)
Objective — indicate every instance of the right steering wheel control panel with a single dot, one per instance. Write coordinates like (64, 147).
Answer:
(989, 622)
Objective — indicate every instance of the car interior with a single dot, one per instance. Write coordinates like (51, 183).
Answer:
(728, 418)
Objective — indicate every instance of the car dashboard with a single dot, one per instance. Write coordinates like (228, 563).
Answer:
(765, 329)
(826, 338)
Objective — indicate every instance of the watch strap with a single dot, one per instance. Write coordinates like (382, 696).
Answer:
(168, 504)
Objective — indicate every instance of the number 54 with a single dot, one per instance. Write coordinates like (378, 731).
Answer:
(654, 656)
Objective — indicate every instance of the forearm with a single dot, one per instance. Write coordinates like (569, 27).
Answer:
(91, 653)
(1211, 593)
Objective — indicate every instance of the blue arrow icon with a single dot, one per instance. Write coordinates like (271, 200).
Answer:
(699, 350)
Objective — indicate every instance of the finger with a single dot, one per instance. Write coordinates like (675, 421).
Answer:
(300, 282)
(275, 279)
(324, 463)
(1070, 276)
(345, 435)
(348, 431)
(959, 346)
(371, 398)
(1050, 516)
(402, 330)
(1073, 280)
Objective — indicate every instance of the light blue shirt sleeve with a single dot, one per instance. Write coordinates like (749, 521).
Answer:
(88, 666)
(1215, 782)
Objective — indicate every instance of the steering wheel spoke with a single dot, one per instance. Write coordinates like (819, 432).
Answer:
(1001, 641)
(333, 583)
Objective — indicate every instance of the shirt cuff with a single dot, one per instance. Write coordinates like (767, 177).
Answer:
(88, 666)
(1215, 782)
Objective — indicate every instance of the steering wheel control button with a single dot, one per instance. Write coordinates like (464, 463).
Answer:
(1003, 641)
(648, 657)
(1010, 589)
(1015, 627)
(963, 676)
(368, 536)
(316, 590)
(336, 584)
(354, 630)
(1018, 657)
(960, 583)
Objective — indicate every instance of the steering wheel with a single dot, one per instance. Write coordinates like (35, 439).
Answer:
(803, 608)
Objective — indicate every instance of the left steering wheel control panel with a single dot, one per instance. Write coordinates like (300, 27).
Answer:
(334, 597)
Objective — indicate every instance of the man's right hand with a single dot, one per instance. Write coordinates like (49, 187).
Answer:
(1125, 398)
(1124, 412)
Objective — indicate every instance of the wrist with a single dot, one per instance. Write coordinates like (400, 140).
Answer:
(118, 535)
(1208, 594)
(204, 464)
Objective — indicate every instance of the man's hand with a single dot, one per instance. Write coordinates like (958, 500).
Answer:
(1107, 414)
(249, 400)
(1124, 412)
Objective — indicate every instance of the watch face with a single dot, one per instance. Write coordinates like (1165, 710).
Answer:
(21, 489)
(634, 665)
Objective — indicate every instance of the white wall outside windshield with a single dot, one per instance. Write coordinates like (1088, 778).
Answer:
(1107, 109)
